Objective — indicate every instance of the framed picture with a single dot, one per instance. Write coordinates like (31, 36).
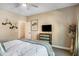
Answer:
(34, 24)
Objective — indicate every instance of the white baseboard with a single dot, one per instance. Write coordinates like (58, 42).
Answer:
(60, 47)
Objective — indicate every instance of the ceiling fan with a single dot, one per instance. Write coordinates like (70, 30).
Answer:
(26, 5)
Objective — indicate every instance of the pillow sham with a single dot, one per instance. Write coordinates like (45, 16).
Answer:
(2, 49)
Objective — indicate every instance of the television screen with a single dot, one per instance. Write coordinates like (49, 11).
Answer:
(47, 28)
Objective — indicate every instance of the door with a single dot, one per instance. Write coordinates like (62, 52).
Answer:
(28, 30)
(21, 29)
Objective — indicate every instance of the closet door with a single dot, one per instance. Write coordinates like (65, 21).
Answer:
(28, 30)
(21, 29)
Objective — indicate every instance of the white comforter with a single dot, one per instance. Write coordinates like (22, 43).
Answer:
(20, 48)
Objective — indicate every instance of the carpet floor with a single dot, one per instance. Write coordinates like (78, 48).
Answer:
(61, 52)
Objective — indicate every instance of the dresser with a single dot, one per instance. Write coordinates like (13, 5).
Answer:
(46, 37)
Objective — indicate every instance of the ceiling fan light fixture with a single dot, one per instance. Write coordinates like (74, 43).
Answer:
(24, 4)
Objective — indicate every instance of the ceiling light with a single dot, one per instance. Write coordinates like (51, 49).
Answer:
(24, 4)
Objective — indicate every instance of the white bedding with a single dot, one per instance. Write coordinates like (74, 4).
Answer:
(20, 48)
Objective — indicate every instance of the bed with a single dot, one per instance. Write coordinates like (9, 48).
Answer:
(27, 48)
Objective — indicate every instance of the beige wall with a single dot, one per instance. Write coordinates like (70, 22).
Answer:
(5, 32)
(78, 34)
(60, 19)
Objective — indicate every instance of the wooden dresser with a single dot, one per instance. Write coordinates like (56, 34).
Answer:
(46, 37)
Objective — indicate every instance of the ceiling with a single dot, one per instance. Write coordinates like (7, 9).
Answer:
(42, 7)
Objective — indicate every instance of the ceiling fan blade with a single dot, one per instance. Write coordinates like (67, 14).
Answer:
(17, 5)
(34, 5)
(29, 5)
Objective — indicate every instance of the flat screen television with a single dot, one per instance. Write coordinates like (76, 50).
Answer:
(46, 28)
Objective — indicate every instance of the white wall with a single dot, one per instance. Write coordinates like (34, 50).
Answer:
(5, 32)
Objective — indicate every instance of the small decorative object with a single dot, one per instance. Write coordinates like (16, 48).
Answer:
(72, 28)
(34, 24)
(13, 27)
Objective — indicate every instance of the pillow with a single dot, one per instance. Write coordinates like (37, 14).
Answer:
(2, 49)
